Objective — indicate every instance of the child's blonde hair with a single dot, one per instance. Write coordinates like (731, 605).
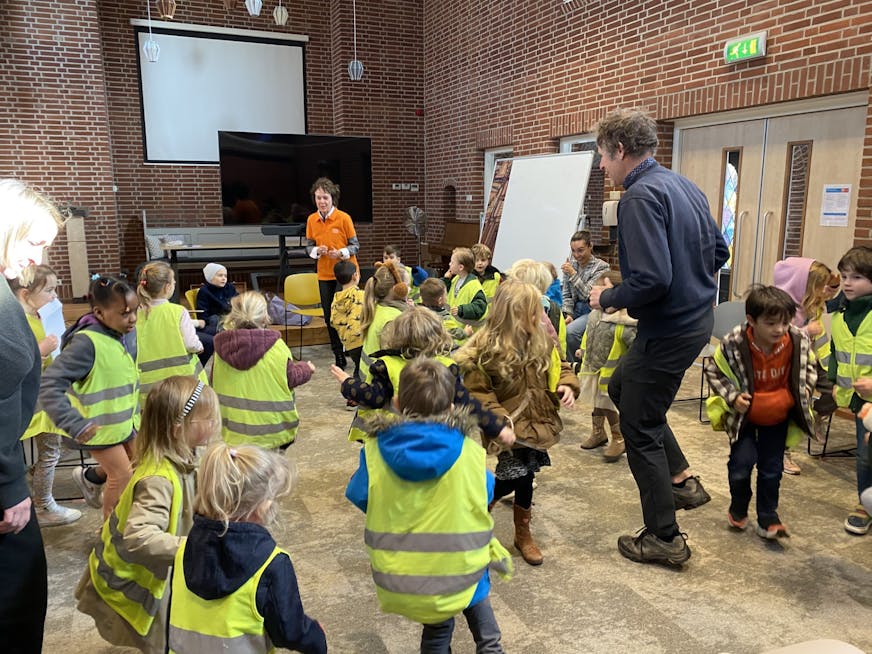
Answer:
(236, 481)
(170, 408)
(153, 280)
(32, 279)
(247, 311)
(480, 252)
(417, 331)
(386, 281)
(427, 388)
(531, 272)
(465, 258)
(512, 340)
(819, 277)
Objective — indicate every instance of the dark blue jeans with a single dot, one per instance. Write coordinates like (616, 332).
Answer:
(436, 638)
(643, 387)
(763, 446)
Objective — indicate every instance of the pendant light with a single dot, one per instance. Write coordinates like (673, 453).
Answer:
(355, 66)
(150, 48)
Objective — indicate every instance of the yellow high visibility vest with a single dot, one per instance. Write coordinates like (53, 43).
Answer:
(132, 590)
(853, 356)
(383, 315)
(257, 407)
(395, 365)
(427, 560)
(821, 345)
(615, 353)
(489, 286)
(161, 351)
(231, 624)
(464, 296)
(108, 395)
(40, 423)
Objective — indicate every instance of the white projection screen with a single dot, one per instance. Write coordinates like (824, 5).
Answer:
(209, 81)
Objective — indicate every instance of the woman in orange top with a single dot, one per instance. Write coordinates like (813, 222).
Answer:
(330, 237)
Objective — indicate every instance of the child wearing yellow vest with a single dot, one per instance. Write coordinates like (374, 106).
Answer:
(852, 376)
(514, 369)
(606, 338)
(90, 391)
(35, 288)
(425, 489)
(166, 337)
(488, 276)
(418, 332)
(255, 374)
(384, 298)
(537, 274)
(233, 589)
(124, 587)
(466, 299)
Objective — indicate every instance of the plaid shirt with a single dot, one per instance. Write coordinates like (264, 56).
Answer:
(729, 384)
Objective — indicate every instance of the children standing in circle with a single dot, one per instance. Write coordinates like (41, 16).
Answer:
(809, 283)
(124, 587)
(231, 582)
(512, 366)
(423, 484)
(35, 288)
(90, 391)
(254, 375)
(166, 337)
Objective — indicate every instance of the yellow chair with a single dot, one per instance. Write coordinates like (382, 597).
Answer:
(191, 298)
(301, 290)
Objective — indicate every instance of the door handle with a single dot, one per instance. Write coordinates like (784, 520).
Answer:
(766, 216)
(735, 271)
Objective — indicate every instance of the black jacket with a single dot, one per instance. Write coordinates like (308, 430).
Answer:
(217, 565)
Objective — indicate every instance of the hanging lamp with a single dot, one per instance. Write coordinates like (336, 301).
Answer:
(150, 48)
(355, 66)
(166, 9)
(254, 7)
(280, 14)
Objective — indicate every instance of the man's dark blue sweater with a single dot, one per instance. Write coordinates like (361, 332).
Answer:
(670, 250)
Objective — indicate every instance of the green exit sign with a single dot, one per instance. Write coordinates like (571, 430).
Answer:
(744, 48)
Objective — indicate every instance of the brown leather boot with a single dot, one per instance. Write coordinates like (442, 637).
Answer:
(597, 434)
(616, 446)
(523, 537)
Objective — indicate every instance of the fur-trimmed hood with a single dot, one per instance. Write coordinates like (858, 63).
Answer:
(420, 448)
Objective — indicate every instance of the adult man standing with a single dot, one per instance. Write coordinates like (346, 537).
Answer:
(670, 249)
(579, 274)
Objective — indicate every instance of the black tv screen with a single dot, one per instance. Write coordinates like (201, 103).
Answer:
(267, 178)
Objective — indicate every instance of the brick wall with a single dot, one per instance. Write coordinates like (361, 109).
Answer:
(532, 72)
(485, 73)
(54, 128)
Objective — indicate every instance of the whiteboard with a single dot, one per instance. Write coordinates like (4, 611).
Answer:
(205, 82)
(541, 207)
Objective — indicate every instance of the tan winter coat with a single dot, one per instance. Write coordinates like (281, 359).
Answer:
(525, 398)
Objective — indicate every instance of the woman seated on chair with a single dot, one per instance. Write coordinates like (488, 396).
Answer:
(213, 298)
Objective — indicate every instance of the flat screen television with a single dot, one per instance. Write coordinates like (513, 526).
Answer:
(267, 178)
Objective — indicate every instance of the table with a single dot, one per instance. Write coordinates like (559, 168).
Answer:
(173, 249)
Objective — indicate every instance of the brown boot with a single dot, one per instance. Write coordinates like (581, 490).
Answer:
(523, 538)
(616, 446)
(597, 434)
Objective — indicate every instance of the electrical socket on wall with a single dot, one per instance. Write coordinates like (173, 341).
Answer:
(396, 187)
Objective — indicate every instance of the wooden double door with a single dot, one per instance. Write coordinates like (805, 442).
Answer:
(779, 186)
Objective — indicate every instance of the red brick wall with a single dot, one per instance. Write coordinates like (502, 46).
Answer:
(54, 127)
(524, 74)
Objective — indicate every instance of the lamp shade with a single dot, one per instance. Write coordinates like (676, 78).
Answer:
(166, 8)
(228, 4)
(355, 70)
(254, 6)
(151, 50)
(280, 15)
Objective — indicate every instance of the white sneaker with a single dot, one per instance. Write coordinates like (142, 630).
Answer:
(91, 492)
(55, 514)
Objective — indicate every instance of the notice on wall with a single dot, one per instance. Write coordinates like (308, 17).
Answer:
(835, 204)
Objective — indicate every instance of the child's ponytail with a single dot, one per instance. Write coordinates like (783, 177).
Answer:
(153, 280)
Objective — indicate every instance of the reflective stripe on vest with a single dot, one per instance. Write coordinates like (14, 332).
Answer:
(394, 365)
(615, 353)
(465, 295)
(382, 316)
(427, 563)
(229, 624)
(107, 396)
(131, 589)
(161, 350)
(257, 407)
(853, 356)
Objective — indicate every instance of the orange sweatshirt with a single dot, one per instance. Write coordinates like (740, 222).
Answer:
(772, 400)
